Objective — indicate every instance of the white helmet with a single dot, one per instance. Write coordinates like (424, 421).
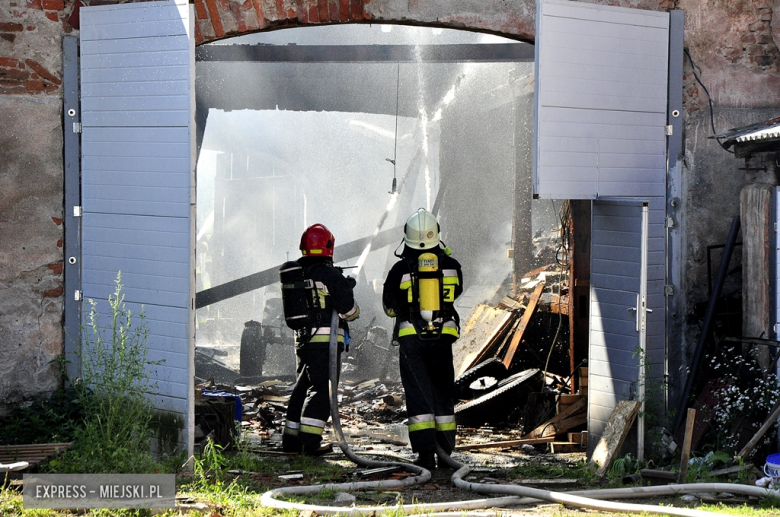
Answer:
(421, 231)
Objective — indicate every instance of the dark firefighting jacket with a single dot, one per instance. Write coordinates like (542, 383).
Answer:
(398, 295)
(333, 291)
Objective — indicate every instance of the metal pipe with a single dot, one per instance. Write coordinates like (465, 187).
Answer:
(709, 319)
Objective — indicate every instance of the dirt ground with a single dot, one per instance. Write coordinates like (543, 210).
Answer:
(499, 466)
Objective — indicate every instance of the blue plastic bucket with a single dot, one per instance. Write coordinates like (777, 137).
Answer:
(772, 467)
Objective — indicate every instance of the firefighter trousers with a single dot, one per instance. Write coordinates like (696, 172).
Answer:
(309, 406)
(428, 377)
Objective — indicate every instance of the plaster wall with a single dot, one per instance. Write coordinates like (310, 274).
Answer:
(733, 49)
(31, 251)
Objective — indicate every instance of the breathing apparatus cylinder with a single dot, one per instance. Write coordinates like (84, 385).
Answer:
(429, 286)
(295, 295)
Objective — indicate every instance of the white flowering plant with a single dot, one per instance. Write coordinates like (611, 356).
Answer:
(745, 391)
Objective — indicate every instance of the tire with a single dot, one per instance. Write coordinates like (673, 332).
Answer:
(494, 407)
(493, 367)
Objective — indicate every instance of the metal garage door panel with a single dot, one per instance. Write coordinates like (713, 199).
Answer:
(136, 82)
(616, 277)
(601, 83)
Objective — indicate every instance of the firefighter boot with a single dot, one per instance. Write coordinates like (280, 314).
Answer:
(426, 460)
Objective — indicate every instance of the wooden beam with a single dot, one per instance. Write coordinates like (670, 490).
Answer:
(748, 448)
(615, 433)
(509, 443)
(571, 411)
(685, 455)
(533, 303)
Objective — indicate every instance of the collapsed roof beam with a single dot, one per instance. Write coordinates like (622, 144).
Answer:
(471, 53)
(269, 276)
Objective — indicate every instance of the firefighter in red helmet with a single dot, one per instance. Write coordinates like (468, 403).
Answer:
(420, 292)
(309, 406)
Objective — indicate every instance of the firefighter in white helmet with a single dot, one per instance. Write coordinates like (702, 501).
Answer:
(420, 291)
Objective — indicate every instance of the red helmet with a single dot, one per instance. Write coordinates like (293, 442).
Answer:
(317, 241)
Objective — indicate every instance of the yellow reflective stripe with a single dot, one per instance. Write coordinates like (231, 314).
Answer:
(310, 429)
(324, 339)
(406, 285)
(312, 421)
(451, 280)
(420, 426)
(446, 423)
(322, 296)
(406, 329)
(352, 314)
(291, 432)
(450, 331)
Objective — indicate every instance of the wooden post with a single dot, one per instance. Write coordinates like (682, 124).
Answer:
(686, 449)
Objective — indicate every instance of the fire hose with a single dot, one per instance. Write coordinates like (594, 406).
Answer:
(513, 494)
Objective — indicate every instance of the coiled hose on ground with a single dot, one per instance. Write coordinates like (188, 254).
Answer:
(514, 495)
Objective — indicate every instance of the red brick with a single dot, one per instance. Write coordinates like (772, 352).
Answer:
(322, 10)
(53, 293)
(302, 15)
(750, 37)
(52, 16)
(344, 10)
(53, 5)
(280, 12)
(8, 37)
(45, 74)
(357, 10)
(291, 15)
(14, 74)
(35, 86)
(261, 19)
(764, 39)
(59, 243)
(10, 62)
(57, 220)
(314, 14)
(11, 27)
(200, 10)
(34, 4)
(55, 268)
(216, 22)
(333, 11)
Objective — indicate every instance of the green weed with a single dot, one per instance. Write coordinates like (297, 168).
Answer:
(115, 379)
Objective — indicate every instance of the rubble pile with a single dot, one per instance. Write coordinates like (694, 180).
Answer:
(513, 381)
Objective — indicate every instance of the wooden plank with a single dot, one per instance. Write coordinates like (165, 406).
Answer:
(554, 422)
(748, 448)
(34, 453)
(614, 435)
(564, 447)
(508, 443)
(685, 455)
(478, 336)
(561, 422)
(518, 336)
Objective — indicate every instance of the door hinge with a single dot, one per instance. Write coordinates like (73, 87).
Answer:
(78, 211)
(669, 290)
(77, 295)
(669, 223)
(77, 127)
(669, 130)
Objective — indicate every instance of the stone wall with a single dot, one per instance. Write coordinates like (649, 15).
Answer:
(732, 49)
